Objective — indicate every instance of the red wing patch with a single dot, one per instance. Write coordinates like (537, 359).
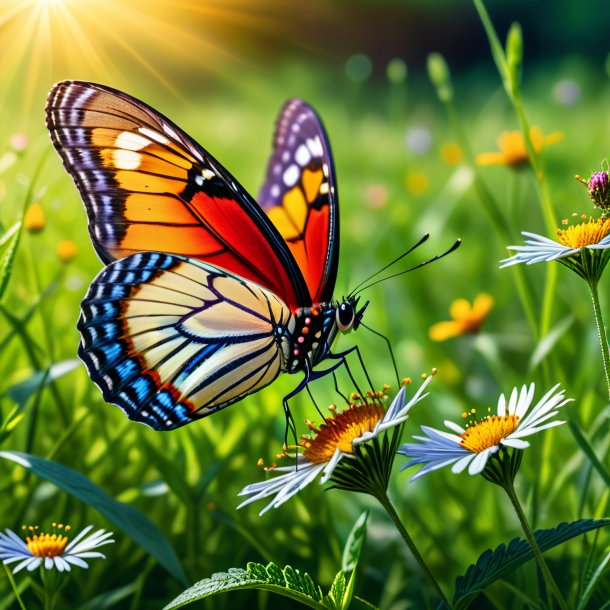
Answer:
(300, 197)
(147, 186)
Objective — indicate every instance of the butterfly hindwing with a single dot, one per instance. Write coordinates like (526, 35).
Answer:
(171, 339)
(300, 196)
(147, 186)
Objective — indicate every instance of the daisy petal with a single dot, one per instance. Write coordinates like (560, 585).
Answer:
(477, 465)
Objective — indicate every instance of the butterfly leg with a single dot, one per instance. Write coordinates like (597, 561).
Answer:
(338, 390)
(310, 375)
(342, 357)
(389, 345)
(313, 400)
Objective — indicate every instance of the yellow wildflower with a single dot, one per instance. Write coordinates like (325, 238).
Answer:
(66, 251)
(417, 182)
(35, 218)
(451, 153)
(512, 147)
(466, 318)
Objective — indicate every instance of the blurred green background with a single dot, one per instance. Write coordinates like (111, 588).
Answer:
(221, 70)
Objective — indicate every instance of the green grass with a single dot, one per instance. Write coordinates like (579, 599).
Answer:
(186, 482)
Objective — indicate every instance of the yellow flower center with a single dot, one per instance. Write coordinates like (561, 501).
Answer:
(585, 233)
(46, 545)
(340, 430)
(489, 432)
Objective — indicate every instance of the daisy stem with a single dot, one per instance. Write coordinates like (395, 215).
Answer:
(601, 331)
(14, 586)
(384, 500)
(544, 568)
(493, 211)
(49, 581)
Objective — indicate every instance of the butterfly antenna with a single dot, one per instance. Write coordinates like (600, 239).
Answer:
(398, 258)
(455, 246)
(387, 341)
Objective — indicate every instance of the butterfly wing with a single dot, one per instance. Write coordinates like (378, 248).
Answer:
(147, 186)
(171, 339)
(300, 196)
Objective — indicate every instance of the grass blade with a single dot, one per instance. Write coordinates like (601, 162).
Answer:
(134, 523)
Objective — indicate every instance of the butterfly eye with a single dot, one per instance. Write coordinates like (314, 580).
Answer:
(345, 317)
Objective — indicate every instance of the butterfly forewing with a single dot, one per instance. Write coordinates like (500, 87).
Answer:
(171, 339)
(147, 186)
(300, 196)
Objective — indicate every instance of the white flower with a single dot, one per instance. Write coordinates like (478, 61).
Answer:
(593, 235)
(472, 447)
(52, 550)
(333, 441)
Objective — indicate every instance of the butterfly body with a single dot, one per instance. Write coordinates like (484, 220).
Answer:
(310, 335)
(207, 295)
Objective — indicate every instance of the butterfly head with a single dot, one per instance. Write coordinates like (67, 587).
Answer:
(348, 315)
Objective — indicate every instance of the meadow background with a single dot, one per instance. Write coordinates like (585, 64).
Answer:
(222, 70)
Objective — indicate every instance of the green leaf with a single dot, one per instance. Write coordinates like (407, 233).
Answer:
(23, 391)
(110, 599)
(592, 582)
(335, 598)
(288, 582)
(585, 445)
(9, 242)
(353, 544)
(135, 524)
(547, 343)
(496, 564)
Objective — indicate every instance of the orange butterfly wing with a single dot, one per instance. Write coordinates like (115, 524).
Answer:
(300, 196)
(147, 186)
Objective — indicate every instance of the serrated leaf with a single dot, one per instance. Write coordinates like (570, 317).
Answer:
(288, 582)
(496, 564)
(9, 241)
(134, 523)
(353, 544)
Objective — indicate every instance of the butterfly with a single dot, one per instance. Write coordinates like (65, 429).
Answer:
(207, 294)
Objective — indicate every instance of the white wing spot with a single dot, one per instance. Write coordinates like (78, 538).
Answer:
(286, 156)
(131, 141)
(126, 159)
(153, 135)
(170, 132)
(302, 155)
(199, 180)
(315, 146)
(324, 188)
(291, 175)
(208, 174)
(275, 191)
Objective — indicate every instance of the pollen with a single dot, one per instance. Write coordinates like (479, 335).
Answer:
(341, 429)
(489, 432)
(47, 545)
(585, 233)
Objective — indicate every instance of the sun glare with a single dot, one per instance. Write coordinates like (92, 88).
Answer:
(115, 41)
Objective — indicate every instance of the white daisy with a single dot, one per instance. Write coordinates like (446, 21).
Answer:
(592, 235)
(472, 446)
(335, 439)
(52, 550)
